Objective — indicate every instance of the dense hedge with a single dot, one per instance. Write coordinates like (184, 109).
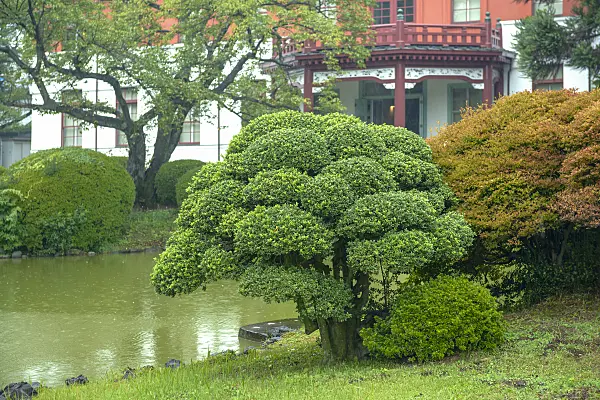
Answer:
(183, 183)
(526, 173)
(73, 198)
(436, 319)
(121, 160)
(166, 179)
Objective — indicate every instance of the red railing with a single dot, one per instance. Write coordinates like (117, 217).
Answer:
(404, 35)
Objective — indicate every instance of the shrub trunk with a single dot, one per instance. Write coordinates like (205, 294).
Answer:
(341, 340)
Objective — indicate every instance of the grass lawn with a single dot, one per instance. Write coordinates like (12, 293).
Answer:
(552, 352)
(146, 229)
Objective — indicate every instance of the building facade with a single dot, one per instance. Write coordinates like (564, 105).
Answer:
(429, 59)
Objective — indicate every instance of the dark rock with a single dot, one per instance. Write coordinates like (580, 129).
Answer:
(36, 385)
(148, 367)
(2, 396)
(173, 364)
(91, 253)
(128, 374)
(78, 380)
(3, 256)
(17, 254)
(20, 390)
(230, 353)
(75, 252)
(248, 349)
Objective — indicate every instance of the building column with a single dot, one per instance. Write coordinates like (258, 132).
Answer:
(488, 85)
(400, 97)
(309, 98)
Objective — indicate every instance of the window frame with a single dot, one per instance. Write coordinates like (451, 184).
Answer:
(535, 4)
(554, 80)
(128, 102)
(467, 9)
(191, 120)
(410, 18)
(76, 122)
(468, 87)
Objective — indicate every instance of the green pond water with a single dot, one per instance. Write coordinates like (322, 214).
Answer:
(61, 317)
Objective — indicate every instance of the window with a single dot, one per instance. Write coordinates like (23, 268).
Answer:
(382, 13)
(130, 96)
(552, 82)
(71, 131)
(190, 134)
(327, 8)
(408, 6)
(557, 6)
(385, 13)
(462, 97)
(466, 10)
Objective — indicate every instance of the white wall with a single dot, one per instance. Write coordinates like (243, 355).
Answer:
(46, 130)
(348, 95)
(437, 104)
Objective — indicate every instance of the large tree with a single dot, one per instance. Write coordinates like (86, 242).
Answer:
(314, 210)
(544, 44)
(55, 45)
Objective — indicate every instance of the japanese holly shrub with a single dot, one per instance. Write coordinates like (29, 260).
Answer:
(166, 179)
(11, 226)
(183, 183)
(72, 198)
(526, 173)
(436, 319)
(314, 209)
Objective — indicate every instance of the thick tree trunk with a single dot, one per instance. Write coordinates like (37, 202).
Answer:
(340, 340)
(166, 141)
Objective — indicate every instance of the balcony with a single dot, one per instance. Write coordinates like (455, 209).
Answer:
(403, 35)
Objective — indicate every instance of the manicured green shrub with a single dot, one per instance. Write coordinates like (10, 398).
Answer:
(183, 183)
(11, 226)
(302, 209)
(525, 173)
(166, 179)
(71, 198)
(437, 319)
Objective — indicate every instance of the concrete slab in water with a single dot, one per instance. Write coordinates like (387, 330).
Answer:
(264, 330)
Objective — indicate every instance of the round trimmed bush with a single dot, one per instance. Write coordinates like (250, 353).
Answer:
(183, 183)
(436, 319)
(73, 198)
(166, 179)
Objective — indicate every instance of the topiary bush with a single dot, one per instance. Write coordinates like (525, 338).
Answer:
(437, 319)
(183, 183)
(72, 197)
(166, 179)
(304, 209)
(525, 172)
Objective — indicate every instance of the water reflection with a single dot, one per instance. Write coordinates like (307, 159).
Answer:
(61, 317)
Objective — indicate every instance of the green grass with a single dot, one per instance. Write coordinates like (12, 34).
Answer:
(552, 352)
(146, 229)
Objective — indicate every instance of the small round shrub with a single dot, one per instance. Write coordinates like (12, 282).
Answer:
(436, 319)
(166, 179)
(72, 198)
(183, 183)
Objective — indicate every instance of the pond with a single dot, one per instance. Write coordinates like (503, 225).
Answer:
(61, 317)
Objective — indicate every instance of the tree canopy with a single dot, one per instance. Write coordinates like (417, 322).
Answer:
(525, 172)
(544, 44)
(315, 210)
(182, 55)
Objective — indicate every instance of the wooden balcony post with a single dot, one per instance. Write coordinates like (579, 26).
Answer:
(488, 85)
(488, 30)
(400, 34)
(309, 98)
(400, 96)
